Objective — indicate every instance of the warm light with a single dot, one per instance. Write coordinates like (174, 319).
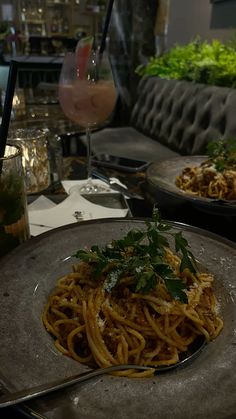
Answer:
(16, 101)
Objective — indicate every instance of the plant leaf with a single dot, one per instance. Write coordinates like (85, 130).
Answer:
(188, 260)
(146, 281)
(141, 255)
(175, 288)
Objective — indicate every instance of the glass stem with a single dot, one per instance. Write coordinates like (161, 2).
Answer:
(89, 166)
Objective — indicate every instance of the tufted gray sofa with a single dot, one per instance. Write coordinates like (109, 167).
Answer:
(171, 118)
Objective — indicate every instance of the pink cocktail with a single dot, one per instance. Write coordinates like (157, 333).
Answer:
(88, 103)
(87, 93)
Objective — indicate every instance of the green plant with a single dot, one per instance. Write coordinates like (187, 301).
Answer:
(199, 61)
(223, 154)
(4, 29)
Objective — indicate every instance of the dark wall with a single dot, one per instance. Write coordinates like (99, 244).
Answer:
(210, 20)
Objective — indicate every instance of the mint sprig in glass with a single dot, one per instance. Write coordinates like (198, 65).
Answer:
(14, 225)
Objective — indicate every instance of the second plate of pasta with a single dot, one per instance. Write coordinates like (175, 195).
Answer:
(176, 177)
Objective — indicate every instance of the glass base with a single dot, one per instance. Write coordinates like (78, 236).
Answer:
(90, 187)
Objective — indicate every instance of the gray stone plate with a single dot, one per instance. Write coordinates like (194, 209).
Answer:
(161, 177)
(206, 388)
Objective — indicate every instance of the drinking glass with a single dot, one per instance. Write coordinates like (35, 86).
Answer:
(87, 95)
(35, 157)
(14, 224)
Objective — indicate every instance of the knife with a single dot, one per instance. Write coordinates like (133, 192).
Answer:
(114, 185)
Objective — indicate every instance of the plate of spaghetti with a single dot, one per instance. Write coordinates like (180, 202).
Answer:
(105, 292)
(194, 179)
(215, 176)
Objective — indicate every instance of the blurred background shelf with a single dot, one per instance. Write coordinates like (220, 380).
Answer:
(49, 27)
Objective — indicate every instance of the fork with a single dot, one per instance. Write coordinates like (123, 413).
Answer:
(10, 399)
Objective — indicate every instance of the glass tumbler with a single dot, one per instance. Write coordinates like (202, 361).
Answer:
(35, 157)
(14, 224)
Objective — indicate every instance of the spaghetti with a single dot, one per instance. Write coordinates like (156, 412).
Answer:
(103, 323)
(206, 181)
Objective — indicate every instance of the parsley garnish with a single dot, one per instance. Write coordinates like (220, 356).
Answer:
(141, 255)
(222, 154)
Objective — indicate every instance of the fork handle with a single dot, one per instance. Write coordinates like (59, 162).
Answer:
(11, 399)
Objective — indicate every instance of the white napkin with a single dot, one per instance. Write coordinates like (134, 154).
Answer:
(41, 203)
(73, 209)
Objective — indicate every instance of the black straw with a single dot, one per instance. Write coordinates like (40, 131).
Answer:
(6, 114)
(106, 25)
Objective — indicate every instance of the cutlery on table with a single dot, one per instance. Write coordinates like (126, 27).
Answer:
(114, 185)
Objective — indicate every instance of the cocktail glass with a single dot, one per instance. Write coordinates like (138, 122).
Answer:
(87, 94)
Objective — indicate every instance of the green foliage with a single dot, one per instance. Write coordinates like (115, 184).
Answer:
(223, 154)
(4, 29)
(141, 255)
(199, 61)
(11, 199)
(7, 241)
(4, 26)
